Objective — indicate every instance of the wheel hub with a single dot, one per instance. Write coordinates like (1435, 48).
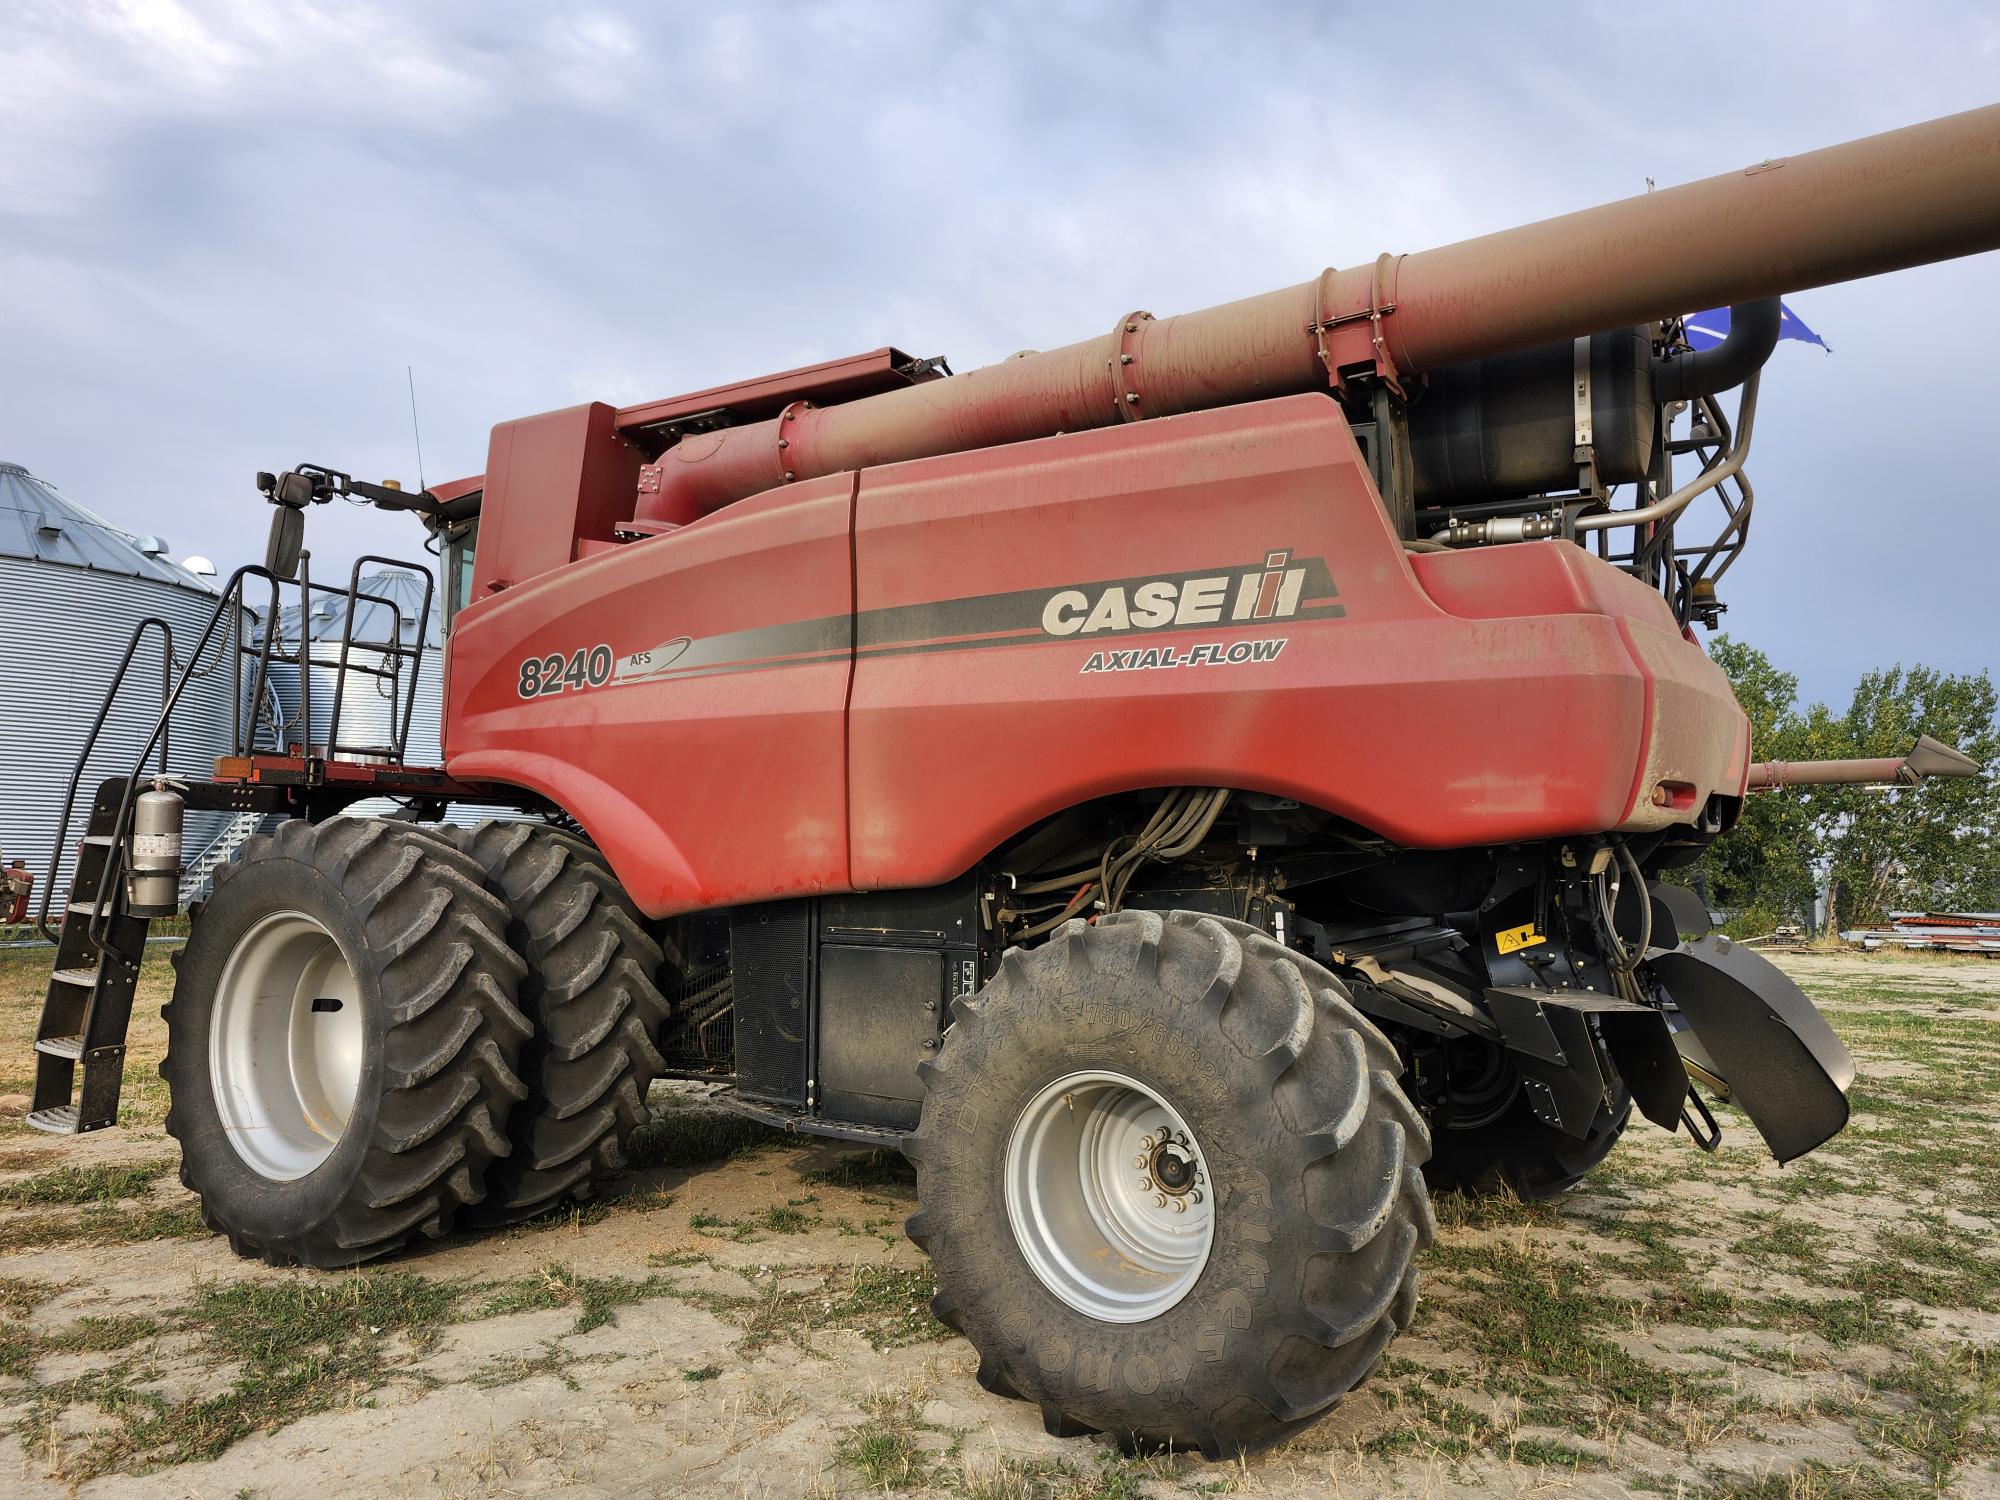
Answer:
(285, 1046)
(1170, 1171)
(1107, 1196)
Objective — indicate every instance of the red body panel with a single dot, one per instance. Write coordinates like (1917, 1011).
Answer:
(552, 482)
(701, 789)
(1442, 700)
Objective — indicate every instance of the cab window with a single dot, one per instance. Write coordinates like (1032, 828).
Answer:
(458, 548)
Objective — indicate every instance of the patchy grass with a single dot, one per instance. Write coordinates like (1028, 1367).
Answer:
(695, 1137)
(595, 1298)
(77, 1185)
(880, 1168)
(886, 1305)
(1953, 1398)
(1681, 1324)
(795, 1217)
(298, 1345)
(104, 1224)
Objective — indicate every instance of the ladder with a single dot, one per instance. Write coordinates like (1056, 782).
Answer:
(89, 1000)
(199, 876)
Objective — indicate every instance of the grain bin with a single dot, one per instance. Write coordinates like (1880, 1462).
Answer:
(72, 589)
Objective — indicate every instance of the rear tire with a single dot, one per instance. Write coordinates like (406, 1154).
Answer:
(342, 1041)
(1281, 1100)
(597, 1012)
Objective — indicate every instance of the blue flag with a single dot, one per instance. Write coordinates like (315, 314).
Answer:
(1706, 330)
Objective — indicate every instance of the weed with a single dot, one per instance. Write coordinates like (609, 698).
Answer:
(700, 1373)
(886, 1455)
(595, 1298)
(75, 1185)
(1546, 1453)
(301, 1346)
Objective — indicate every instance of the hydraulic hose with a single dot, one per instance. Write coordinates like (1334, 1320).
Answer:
(1623, 960)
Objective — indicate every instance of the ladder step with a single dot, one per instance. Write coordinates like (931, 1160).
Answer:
(58, 1121)
(82, 978)
(61, 1046)
(87, 908)
(101, 840)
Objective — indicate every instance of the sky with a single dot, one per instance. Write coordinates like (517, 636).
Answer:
(227, 230)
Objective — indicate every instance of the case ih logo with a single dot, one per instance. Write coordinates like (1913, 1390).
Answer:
(1271, 593)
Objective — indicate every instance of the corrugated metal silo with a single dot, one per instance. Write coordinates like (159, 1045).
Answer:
(72, 588)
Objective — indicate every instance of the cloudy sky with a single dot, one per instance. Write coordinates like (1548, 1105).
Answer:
(227, 228)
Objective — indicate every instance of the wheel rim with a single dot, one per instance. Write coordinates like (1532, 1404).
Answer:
(1108, 1197)
(285, 1046)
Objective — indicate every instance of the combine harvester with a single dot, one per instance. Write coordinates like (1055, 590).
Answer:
(1198, 791)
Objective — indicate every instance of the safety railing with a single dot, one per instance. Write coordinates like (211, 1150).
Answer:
(387, 664)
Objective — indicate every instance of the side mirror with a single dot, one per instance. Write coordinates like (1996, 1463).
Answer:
(288, 535)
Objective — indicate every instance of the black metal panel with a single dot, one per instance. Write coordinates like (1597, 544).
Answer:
(1783, 1063)
(771, 962)
(939, 914)
(890, 964)
(1677, 910)
(879, 1009)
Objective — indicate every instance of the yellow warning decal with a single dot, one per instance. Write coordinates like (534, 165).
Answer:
(1514, 939)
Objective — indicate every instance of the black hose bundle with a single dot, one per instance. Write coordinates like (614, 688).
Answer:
(1180, 823)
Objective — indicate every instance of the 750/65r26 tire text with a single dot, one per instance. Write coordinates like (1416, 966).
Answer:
(1171, 1186)
(342, 1042)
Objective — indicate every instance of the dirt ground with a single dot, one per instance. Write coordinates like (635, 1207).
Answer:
(743, 1317)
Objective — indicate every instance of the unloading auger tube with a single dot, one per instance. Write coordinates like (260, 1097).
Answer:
(1906, 197)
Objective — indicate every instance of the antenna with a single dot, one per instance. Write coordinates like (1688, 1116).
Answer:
(416, 431)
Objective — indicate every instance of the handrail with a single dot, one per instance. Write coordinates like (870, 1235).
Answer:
(232, 593)
(242, 737)
(100, 916)
(394, 649)
(151, 622)
(1712, 475)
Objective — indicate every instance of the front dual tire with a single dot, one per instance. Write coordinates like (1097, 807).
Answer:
(343, 1042)
(380, 1030)
(1079, 1103)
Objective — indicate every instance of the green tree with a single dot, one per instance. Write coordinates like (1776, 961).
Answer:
(1763, 869)
(1935, 845)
